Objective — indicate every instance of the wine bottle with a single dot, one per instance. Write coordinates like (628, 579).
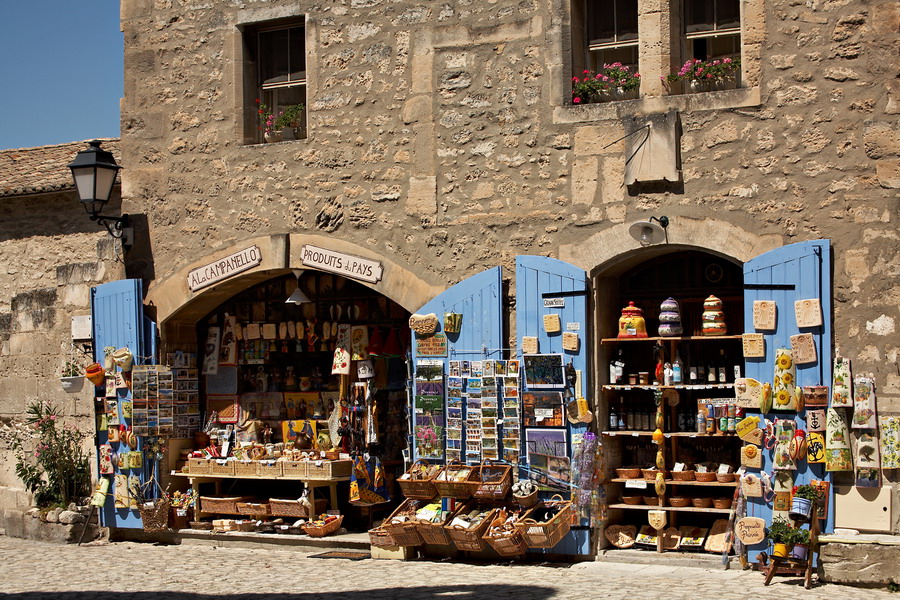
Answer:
(622, 416)
(613, 418)
(629, 419)
(677, 366)
(723, 360)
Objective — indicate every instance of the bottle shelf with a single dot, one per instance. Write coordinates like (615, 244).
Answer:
(693, 386)
(688, 434)
(723, 511)
(689, 338)
(674, 482)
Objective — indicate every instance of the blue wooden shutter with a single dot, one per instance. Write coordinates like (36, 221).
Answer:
(795, 272)
(118, 321)
(539, 278)
(479, 299)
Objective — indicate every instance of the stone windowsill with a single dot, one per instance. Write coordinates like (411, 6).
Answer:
(616, 110)
(882, 539)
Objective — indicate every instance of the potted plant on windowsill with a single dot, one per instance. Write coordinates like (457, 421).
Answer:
(268, 122)
(782, 535)
(614, 82)
(801, 503)
(707, 75)
(71, 377)
(291, 118)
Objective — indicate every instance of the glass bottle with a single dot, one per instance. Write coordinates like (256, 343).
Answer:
(613, 418)
(629, 419)
(723, 361)
(677, 369)
(621, 426)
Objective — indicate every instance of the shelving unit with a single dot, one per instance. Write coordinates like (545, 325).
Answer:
(722, 511)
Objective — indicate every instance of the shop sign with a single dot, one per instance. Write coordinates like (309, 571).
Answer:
(435, 345)
(347, 265)
(224, 268)
(554, 302)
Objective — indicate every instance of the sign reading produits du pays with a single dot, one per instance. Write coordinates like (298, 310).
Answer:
(347, 265)
(224, 268)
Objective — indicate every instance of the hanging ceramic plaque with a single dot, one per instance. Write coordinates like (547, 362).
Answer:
(863, 403)
(106, 466)
(840, 388)
(552, 323)
(815, 396)
(838, 456)
(781, 457)
(657, 519)
(868, 461)
(529, 345)
(120, 491)
(754, 345)
(785, 393)
(890, 442)
(815, 420)
(452, 322)
(359, 340)
(751, 486)
(570, 341)
(423, 324)
(808, 312)
(764, 314)
(815, 447)
(747, 393)
(803, 348)
(751, 457)
(341, 363)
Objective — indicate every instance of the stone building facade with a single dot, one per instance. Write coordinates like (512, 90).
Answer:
(440, 139)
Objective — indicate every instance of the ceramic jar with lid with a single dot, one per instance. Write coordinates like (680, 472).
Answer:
(631, 323)
(713, 317)
(669, 319)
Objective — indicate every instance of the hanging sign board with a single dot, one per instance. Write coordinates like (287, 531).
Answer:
(436, 345)
(224, 268)
(554, 302)
(354, 267)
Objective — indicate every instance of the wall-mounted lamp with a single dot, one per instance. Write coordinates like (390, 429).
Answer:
(297, 297)
(94, 171)
(648, 232)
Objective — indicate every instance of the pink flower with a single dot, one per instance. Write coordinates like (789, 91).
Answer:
(637, 74)
(576, 100)
(575, 79)
(52, 417)
(585, 72)
(726, 60)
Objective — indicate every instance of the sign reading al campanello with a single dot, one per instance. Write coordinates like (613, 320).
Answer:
(224, 268)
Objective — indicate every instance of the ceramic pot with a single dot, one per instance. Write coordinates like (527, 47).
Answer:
(71, 385)
(782, 550)
(801, 509)
(799, 551)
(670, 329)
(713, 317)
(631, 323)
(272, 137)
(95, 374)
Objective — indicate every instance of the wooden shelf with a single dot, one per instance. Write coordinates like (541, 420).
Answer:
(689, 338)
(721, 511)
(694, 386)
(687, 434)
(279, 478)
(673, 482)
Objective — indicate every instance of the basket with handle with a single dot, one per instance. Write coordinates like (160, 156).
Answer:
(418, 483)
(547, 534)
(472, 539)
(405, 532)
(436, 532)
(154, 511)
(455, 481)
(505, 541)
(494, 480)
(314, 530)
(381, 538)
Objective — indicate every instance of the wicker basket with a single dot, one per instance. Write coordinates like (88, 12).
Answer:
(245, 468)
(633, 500)
(722, 503)
(547, 534)
(628, 473)
(381, 538)
(269, 469)
(405, 533)
(225, 506)
(422, 489)
(294, 469)
(494, 480)
(436, 533)
(198, 466)
(254, 509)
(705, 477)
(294, 508)
(245, 525)
(702, 502)
(527, 501)
(507, 543)
(201, 525)
(327, 469)
(725, 477)
(650, 474)
(652, 500)
(221, 468)
(679, 501)
(323, 530)
(683, 475)
(155, 514)
(461, 490)
(471, 540)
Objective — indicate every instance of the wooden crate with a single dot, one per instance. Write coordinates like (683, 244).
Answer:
(326, 469)
(269, 469)
(294, 469)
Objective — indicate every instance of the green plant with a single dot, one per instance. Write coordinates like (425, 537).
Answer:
(781, 532)
(72, 369)
(266, 118)
(706, 71)
(596, 87)
(806, 491)
(800, 536)
(291, 116)
(56, 470)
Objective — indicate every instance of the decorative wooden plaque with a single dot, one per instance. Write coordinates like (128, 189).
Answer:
(764, 314)
(716, 540)
(621, 536)
(529, 345)
(570, 341)
(808, 313)
(754, 345)
(750, 530)
(423, 324)
(552, 323)
(803, 348)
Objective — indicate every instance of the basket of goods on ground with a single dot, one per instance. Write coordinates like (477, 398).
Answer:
(494, 480)
(431, 521)
(503, 535)
(402, 523)
(455, 481)
(547, 523)
(381, 537)
(418, 481)
(324, 525)
(154, 511)
(525, 493)
(467, 529)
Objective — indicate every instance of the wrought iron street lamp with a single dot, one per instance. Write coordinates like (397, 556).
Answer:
(94, 171)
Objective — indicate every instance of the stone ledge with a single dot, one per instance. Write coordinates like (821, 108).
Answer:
(19, 524)
(859, 562)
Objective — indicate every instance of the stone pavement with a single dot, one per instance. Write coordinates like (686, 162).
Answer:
(126, 570)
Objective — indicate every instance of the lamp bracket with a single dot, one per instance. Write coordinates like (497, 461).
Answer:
(118, 227)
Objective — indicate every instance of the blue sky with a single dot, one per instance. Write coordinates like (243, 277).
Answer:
(60, 71)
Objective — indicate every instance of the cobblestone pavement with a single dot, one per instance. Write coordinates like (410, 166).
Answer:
(125, 570)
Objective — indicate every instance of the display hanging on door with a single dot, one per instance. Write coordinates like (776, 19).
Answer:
(429, 409)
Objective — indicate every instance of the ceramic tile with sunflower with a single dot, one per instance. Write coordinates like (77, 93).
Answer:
(785, 391)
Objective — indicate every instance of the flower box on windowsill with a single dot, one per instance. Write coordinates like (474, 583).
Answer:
(699, 86)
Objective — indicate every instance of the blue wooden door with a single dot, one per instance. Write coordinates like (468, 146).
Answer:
(795, 272)
(479, 299)
(546, 286)
(118, 321)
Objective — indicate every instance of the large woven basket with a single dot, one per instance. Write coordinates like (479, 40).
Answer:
(423, 489)
(405, 533)
(461, 490)
(155, 514)
(294, 508)
(507, 543)
(527, 501)
(254, 509)
(225, 506)
(436, 533)
(323, 530)
(683, 475)
(494, 480)
(381, 537)
(705, 477)
(549, 533)
(471, 540)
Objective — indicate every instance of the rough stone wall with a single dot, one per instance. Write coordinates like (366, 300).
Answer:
(51, 255)
(439, 136)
